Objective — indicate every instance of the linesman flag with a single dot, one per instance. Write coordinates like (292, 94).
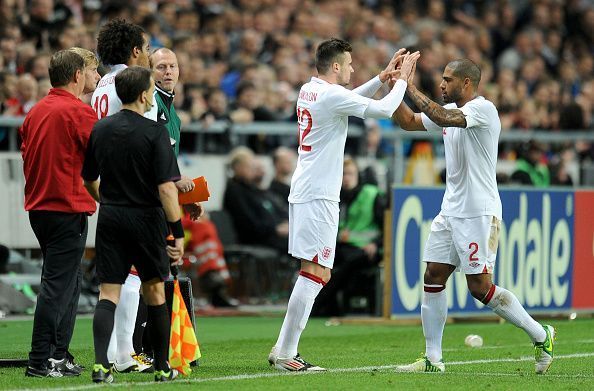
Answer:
(183, 345)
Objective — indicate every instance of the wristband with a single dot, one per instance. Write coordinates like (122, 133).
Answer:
(176, 228)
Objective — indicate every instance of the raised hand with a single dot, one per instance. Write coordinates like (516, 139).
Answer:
(386, 74)
(411, 76)
(408, 64)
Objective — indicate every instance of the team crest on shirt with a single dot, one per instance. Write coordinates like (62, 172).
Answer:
(326, 252)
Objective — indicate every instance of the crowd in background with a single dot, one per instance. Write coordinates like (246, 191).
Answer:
(244, 60)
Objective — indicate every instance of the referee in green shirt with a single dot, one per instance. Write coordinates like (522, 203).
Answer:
(166, 74)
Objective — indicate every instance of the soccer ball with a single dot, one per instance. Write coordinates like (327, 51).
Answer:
(473, 340)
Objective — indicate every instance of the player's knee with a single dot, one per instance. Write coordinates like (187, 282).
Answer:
(154, 293)
(434, 275)
(110, 292)
(479, 289)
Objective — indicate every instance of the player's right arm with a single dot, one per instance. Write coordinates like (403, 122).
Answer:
(408, 119)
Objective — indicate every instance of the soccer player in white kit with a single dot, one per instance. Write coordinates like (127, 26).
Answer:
(464, 236)
(323, 108)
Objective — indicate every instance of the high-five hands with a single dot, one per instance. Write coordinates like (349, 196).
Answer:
(409, 72)
(391, 69)
(408, 67)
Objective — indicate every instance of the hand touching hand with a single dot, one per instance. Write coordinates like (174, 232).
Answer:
(408, 65)
(386, 74)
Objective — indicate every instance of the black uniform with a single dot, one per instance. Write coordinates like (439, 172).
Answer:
(133, 155)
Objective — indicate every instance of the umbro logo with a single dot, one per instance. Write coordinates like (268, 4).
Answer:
(163, 117)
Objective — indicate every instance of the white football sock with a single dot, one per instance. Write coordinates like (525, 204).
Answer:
(434, 312)
(125, 317)
(112, 348)
(300, 304)
(506, 304)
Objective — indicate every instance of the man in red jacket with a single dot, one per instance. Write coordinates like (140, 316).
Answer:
(55, 135)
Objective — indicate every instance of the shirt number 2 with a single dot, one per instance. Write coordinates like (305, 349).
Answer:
(305, 122)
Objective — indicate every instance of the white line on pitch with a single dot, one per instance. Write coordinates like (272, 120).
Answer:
(465, 348)
(335, 370)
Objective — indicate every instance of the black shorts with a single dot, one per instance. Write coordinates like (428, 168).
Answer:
(131, 236)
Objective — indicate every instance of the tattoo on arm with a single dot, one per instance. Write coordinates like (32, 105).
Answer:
(438, 114)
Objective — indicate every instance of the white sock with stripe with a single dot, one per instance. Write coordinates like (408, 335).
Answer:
(506, 304)
(301, 302)
(125, 317)
(434, 312)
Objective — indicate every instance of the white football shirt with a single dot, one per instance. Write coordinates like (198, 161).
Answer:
(471, 159)
(105, 100)
(322, 110)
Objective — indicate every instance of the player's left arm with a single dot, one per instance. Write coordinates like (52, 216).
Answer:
(436, 113)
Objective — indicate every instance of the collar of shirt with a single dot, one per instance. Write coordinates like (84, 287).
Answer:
(476, 97)
(318, 80)
(117, 67)
(165, 96)
(61, 92)
(165, 93)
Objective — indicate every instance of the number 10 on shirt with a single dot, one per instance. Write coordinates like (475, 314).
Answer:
(305, 123)
(101, 106)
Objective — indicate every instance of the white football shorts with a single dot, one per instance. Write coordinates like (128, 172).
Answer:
(469, 244)
(313, 227)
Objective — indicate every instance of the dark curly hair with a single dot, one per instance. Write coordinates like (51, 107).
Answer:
(116, 41)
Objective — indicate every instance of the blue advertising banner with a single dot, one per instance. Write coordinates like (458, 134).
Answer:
(534, 259)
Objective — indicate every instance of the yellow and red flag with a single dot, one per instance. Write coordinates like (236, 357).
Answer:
(183, 345)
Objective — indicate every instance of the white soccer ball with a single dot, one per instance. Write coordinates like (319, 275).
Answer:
(473, 340)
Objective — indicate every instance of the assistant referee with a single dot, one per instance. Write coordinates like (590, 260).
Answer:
(139, 206)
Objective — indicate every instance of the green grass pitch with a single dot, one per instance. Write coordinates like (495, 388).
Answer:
(359, 357)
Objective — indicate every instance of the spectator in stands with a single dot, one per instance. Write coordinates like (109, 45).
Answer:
(216, 110)
(204, 255)
(8, 48)
(284, 160)
(26, 96)
(527, 44)
(44, 19)
(253, 216)
(248, 108)
(276, 205)
(530, 168)
(359, 245)
(38, 65)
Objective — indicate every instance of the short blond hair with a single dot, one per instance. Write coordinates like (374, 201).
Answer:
(87, 55)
